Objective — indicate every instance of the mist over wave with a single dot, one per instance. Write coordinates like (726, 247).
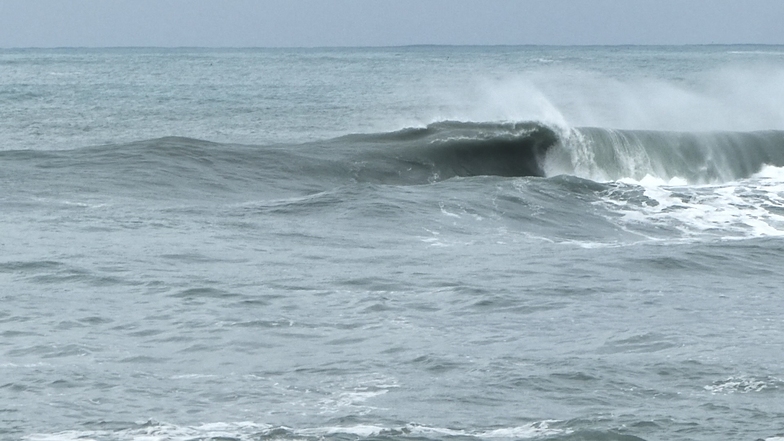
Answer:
(738, 98)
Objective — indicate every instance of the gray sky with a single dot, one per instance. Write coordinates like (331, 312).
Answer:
(285, 23)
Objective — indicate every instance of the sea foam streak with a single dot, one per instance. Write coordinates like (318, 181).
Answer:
(242, 431)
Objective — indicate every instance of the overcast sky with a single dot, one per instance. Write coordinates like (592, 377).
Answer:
(286, 23)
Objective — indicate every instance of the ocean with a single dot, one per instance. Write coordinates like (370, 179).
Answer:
(392, 244)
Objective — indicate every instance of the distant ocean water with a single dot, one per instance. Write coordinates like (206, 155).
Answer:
(420, 243)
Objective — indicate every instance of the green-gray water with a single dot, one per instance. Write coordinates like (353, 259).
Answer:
(424, 243)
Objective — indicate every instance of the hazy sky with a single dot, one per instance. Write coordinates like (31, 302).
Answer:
(272, 23)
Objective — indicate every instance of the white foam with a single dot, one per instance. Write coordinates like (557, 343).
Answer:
(770, 172)
(354, 399)
(749, 208)
(192, 376)
(742, 385)
(356, 396)
(246, 431)
(532, 430)
(650, 181)
(527, 431)
(359, 430)
(448, 213)
(160, 432)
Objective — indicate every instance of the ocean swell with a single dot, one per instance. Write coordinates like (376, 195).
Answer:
(413, 156)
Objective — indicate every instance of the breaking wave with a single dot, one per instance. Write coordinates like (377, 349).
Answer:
(448, 149)
(694, 157)
(433, 153)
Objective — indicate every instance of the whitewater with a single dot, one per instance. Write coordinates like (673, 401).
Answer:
(407, 243)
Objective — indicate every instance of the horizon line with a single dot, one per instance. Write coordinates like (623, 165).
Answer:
(403, 46)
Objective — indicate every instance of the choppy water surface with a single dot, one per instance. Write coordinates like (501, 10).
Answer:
(405, 243)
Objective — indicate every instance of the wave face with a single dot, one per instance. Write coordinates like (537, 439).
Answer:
(454, 149)
(702, 157)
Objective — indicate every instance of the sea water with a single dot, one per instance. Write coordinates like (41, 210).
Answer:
(417, 243)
